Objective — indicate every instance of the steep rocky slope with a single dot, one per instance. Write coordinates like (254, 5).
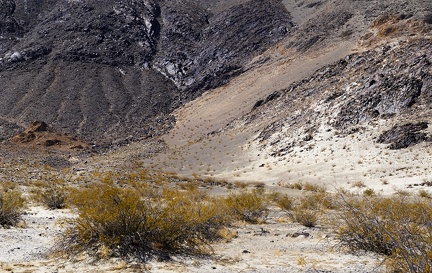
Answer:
(348, 108)
(115, 70)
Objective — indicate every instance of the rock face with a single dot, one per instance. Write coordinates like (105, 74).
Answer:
(115, 70)
(386, 91)
(390, 85)
(211, 48)
(406, 135)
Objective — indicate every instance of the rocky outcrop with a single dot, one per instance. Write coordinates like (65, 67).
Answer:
(403, 136)
(39, 134)
(391, 84)
(210, 48)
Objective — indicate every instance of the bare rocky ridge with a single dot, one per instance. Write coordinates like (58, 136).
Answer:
(115, 70)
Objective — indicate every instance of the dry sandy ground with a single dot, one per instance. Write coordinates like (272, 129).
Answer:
(270, 247)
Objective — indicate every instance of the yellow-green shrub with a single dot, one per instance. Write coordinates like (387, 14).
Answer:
(249, 206)
(305, 217)
(424, 194)
(284, 202)
(54, 196)
(399, 228)
(316, 201)
(129, 224)
(11, 207)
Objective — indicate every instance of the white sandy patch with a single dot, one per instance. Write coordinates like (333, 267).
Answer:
(35, 239)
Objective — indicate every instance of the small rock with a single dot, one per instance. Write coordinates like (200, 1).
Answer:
(299, 235)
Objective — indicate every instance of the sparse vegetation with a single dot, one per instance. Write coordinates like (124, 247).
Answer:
(11, 207)
(359, 184)
(284, 202)
(369, 192)
(424, 194)
(398, 228)
(305, 186)
(250, 206)
(141, 216)
(305, 217)
(316, 201)
(52, 195)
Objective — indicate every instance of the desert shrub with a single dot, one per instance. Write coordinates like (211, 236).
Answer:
(313, 187)
(11, 207)
(284, 202)
(189, 185)
(402, 192)
(308, 202)
(249, 206)
(307, 208)
(399, 228)
(305, 217)
(258, 185)
(369, 192)
(123, 222)
(9, 186)
(359, 184)
(241, 184)
(54, 196)
(316, 201)
(424, 194)
(305, 186)
(295, 186)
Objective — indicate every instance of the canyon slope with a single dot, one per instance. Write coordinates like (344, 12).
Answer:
(113, 71)
(345, 98)
(330, 92)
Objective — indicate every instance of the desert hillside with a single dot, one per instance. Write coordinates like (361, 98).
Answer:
(115, 71)
(215, 136)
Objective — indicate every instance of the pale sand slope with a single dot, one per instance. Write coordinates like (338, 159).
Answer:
(215, 109)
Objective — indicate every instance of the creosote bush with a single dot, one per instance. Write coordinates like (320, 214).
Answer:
(424, 194)
(399, 228)
(310, 208)
(317, 201)
(306, 187)
(131, 224)
(11, 207)
(54, 196)
(249, 206)
(284, 201)
(305, 217)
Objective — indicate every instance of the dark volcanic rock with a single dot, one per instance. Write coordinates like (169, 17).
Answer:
(383, 97)
(403, 136)
(387, 88)
(115, 70)
(8, 129)
(37, 126)
(210, 48)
